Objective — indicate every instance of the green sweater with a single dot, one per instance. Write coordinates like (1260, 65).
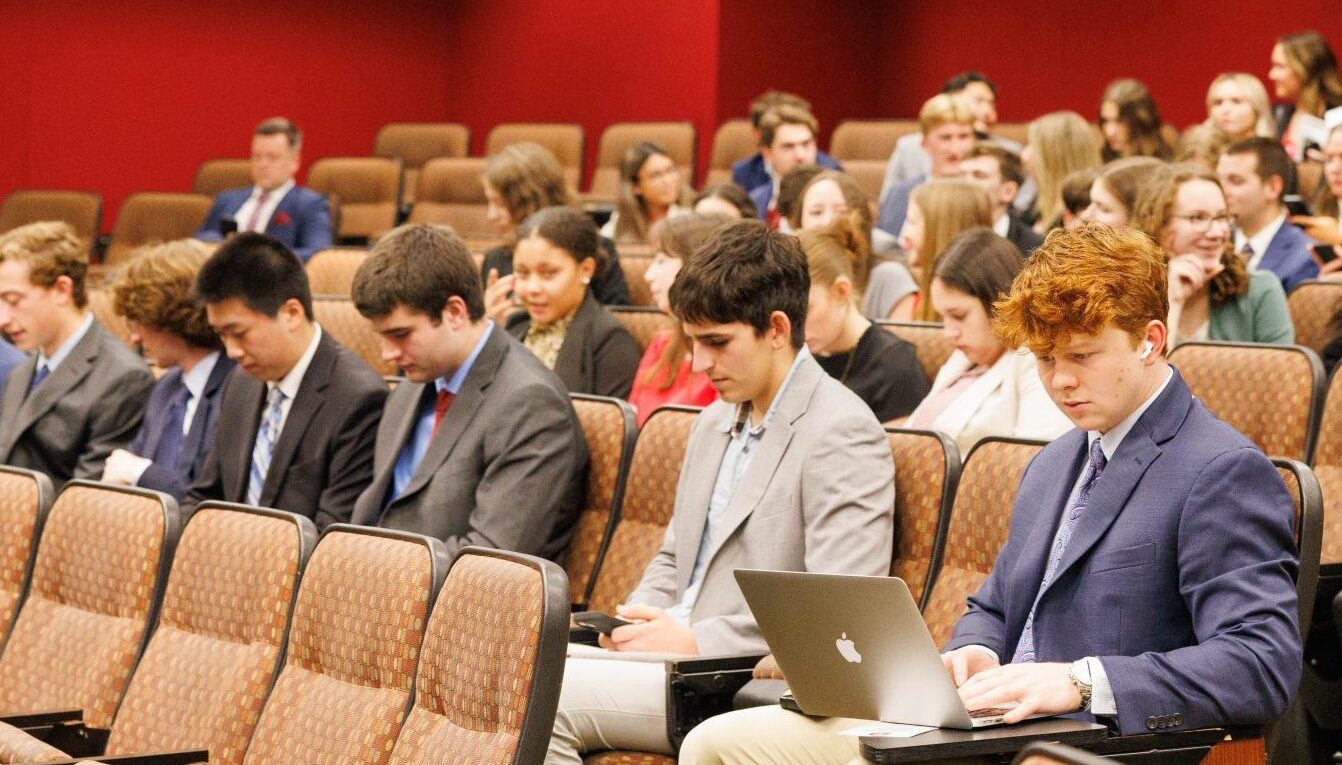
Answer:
(1258, 316)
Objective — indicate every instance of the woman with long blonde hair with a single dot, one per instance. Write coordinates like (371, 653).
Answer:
(1057, 145)
(1237, 104)
(938, 211)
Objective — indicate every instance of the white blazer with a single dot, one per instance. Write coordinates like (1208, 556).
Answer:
(1006, 400)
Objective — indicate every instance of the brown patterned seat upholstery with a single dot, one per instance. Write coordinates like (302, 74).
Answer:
(984, 500)
(415, 143)
(610, 428)
(734, 140)
(678, 138)
(564, 140)
(450, 193)
(868, 139)
(83, 624)
(353, 646)
(643, 322)
(217, 175)
(83, 210)
(1270, 393)
(338, 316)
(152, 217)
(25, 498)
(1312, 305)
(493, 660)
(1328, 468)
(649, 498)
(331, 272)
(629, 758)
(928, 340)
(368, 190)
(635, 266)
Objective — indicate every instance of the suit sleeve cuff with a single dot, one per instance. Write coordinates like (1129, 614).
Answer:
(137, 472)
(983, 649)
(1102, 701)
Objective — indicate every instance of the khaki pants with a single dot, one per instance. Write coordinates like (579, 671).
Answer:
(609, 704)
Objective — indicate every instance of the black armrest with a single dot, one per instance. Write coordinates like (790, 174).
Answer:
(187, 757)
(726, 663)
(37, 719)
(700, 687)
(1187, 747)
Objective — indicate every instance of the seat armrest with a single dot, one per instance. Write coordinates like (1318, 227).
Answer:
(699, 687)
(186, 757)
(37, 719)
(725, 663)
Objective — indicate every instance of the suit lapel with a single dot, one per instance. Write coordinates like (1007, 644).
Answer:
(1039, 541)
(303, 411)
(16, 387)
(569, 363)
(953, 420)
(285, 206)
(690, 528)
(195, 444)
(61, 381)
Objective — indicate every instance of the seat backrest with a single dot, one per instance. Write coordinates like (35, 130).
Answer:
(1013, 131)
(869, 175)
(25, 498)
(610, 427)
(93, 593)
(488, 683)
(1307, 499)
(415, 143)
(677, 138)
(927, 469)
(649, 498)
(152, 217)
(352, 649)
(733, 141)
(216, 649)
(338, 316)
(100, 303)
(450, 192)
(563, 140)
(216, 175)
(368, 190)
(83, 210)
(331, 272)
(1312, 305)
(984, 501)
(1270, 393)
(635, 267)
(929, 340)
(643, 322)
(868, 139)
(1327, 465)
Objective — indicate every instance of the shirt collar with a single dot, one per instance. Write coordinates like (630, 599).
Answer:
(1109, 441)
(66, 347)
(1002, 225)
(290, 382)
(738, 420)
(199, 375)
(276, 193)
(453, 384)
(1261, 240)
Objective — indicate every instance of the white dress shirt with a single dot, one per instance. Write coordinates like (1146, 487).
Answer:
(244, 214)
(291, 382)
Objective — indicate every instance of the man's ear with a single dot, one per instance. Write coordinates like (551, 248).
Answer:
(780, 330)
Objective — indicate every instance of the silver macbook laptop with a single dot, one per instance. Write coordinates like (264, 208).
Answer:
(856, 646)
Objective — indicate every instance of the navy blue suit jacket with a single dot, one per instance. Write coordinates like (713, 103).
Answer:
(302, 220)
(9, 358)
(895, 208)
(176, 479)
(1288, 256)
(750, 174)
(1179, 577)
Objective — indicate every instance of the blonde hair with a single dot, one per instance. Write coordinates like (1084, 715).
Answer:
(1253, 91)
(943, 109)
(1062, 143)
(949, 207)
(51, 250)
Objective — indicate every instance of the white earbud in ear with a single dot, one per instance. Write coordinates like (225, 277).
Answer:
(1146, 350)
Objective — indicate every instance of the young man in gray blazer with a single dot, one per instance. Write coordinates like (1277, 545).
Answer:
(82, 393)
(790, 470)
(480, 446)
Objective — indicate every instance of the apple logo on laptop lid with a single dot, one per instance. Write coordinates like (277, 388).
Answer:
(847, 649)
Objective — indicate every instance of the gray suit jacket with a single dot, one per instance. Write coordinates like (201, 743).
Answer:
(818, 495)
(89, 406)
(507, 468)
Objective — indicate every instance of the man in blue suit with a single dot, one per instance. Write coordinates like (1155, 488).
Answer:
(1254, 174)
(299, 218)
(755, 171)
(153, 292)
(787, 141)
(1148, 574)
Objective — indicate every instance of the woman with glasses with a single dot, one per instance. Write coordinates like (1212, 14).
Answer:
(650, 190)
(1212, 295)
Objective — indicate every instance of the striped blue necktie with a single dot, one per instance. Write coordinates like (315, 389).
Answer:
(265, 445)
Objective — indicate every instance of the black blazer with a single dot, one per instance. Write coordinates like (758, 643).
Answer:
(324, 456)
(1026, 239)
(176, 479)
(598, 355)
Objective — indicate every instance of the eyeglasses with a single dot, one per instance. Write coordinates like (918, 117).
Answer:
(1202, 221)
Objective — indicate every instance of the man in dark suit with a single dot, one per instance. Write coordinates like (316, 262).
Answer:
(755, 171)
(298, 217)
(1254, 174)
(81, 395)
(1148, 574)
(153, 292)
(481, 445)
(998, 172)
(301, 412)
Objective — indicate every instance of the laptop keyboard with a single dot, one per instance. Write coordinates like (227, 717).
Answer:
(979, 714)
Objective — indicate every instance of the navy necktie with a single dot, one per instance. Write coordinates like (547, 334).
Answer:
(43, 371)
(169, 449)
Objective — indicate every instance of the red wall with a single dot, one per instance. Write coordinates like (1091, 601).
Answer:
(130, 96)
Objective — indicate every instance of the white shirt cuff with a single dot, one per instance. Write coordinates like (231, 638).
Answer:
(1102, 701)
(137, 472)
(984, 649)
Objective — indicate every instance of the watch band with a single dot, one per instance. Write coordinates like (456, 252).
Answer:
(1082, 687)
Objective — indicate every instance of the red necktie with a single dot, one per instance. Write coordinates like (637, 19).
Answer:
(256, 211)
(440, 409)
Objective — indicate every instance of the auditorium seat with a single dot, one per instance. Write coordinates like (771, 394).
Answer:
(733, 141)
(100, 303)
(610, 428)
(929, 340)
(868, 139)
(152, 217)
(564, 140)
(869, 174)
(25, 498)
(96, 583)
(635, 266)
(415, 143)
(977, 529)
(1327, 464)
(216, 175)
(353, 644)
(487, 685)
(678, 138)
(643, 322)
(450, 193)
(1270, 393)
(649, 498)
(365, 190)
(83, 210)
(1312, 305)
(331, 272)
(338, 316)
